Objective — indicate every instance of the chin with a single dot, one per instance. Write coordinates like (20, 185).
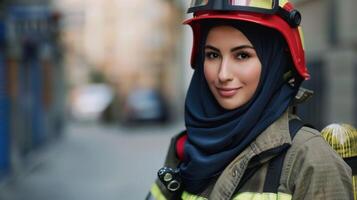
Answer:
(230, 105)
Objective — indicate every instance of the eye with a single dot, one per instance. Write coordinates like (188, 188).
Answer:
(242, 55)
(211, 55)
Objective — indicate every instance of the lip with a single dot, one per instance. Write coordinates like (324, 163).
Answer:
(227, 92)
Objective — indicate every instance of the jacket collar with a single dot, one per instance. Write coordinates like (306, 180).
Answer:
(276, 135)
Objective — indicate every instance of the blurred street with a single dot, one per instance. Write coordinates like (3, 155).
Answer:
(93, 162)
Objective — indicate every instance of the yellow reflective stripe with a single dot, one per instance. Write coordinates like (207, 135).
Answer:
(244, 196)
(156, 192)
(302, 37)
(262, 4)
(187, 196)
(283, 2)
(259, 3)
(262, 196)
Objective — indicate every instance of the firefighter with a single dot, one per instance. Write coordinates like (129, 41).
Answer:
(242, 139)
(343, 138)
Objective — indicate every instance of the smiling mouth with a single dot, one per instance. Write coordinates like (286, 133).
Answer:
(227, 92)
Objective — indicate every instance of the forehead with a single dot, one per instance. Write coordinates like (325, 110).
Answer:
(226, 35)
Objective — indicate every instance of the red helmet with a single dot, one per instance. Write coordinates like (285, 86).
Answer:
(279, 15)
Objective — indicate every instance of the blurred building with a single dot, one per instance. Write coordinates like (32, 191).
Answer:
(135, 44)
(31, 79)
(330, 41)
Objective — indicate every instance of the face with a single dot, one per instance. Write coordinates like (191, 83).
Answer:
(231, 67)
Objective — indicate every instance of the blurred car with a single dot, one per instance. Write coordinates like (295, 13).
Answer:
(145, 105)
(90, 101)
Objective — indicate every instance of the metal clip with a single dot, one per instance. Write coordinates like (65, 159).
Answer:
(170, 178)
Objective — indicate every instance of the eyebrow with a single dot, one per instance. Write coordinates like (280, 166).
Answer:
(232, 50)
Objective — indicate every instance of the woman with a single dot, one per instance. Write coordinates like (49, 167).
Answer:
(242, 139)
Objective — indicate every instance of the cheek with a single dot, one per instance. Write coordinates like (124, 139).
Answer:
(210, 72)
(250, 75)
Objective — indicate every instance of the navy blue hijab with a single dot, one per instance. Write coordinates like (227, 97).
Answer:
(216, 135)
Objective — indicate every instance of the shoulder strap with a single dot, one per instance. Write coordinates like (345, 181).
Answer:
(275, 167)
(294, 126)
(352, 162)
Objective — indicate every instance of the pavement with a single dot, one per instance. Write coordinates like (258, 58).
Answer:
(93, 162)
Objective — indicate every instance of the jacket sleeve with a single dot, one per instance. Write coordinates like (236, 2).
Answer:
(317, 172)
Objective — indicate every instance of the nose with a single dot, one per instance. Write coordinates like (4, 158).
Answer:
(224, 74)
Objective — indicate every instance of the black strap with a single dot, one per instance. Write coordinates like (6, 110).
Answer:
(352, 162)
(275, 167)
